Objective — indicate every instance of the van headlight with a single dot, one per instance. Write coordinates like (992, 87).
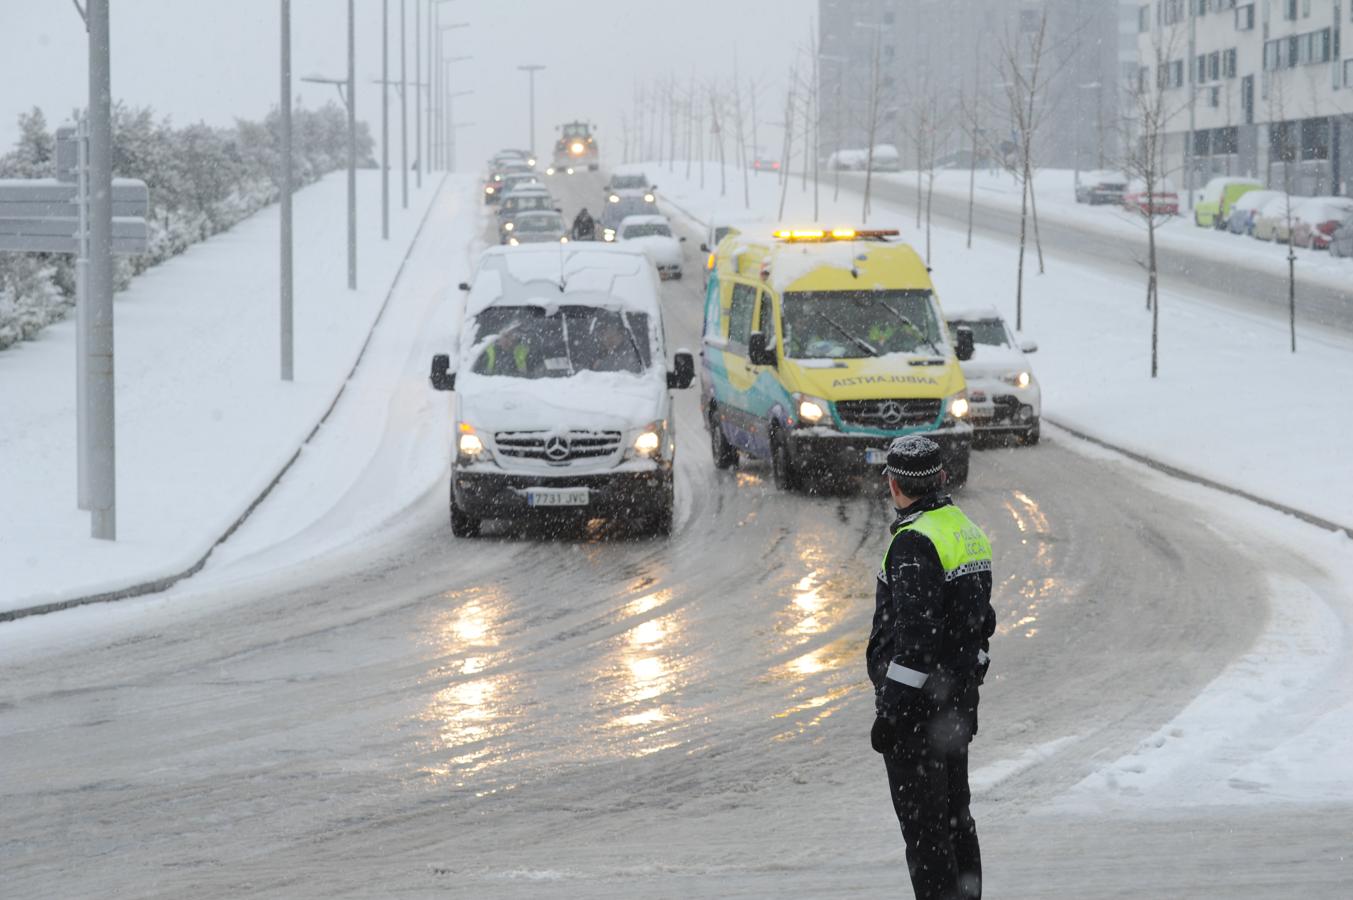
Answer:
(1020, 379)
(469, 443)
(811, 410)
(648, 441)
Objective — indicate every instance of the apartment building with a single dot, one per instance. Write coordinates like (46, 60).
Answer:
(1262, 88)
(952, 49)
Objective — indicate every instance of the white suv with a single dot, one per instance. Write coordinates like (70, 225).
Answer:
(562, 389)
(1003, 395)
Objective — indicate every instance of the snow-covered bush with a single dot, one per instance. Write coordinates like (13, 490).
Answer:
(202, 180)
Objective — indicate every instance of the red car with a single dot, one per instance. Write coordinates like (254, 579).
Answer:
(1163, 201)
(1316, 218)
(762, 164)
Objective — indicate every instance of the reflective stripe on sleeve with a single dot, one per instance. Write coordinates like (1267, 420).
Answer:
(903, 675)
(983, 658)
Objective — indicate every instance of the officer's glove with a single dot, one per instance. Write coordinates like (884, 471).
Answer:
(983, 663)
(882, 737)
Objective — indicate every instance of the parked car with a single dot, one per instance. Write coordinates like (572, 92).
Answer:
(1315, 219)
(1219, 196)
(886, 159)
(1246, 209)
(653, 235)
(1003, 395)
(1163, 201)
(1100, 187)
(765, 164)
(1341, 242)
(1270, 224)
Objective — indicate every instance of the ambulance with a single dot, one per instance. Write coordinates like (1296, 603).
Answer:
(822, 345)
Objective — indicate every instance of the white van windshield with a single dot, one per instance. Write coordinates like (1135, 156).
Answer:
(525, 342)
(856, 324)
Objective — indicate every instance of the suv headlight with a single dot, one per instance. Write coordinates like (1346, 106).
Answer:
(811, 410)
(648, 198)
(1020, 379)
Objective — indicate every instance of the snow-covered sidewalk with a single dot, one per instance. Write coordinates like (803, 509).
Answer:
(1231, 403)
(204, 422)
(1056, 195)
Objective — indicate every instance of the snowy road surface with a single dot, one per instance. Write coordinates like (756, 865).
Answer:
(607, 715)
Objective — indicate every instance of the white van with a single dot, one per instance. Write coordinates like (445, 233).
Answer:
(562, 385)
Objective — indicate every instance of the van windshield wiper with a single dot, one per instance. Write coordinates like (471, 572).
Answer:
(912, 325)
(858, 341)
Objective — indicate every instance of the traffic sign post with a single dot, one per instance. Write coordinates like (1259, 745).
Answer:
(87, 213)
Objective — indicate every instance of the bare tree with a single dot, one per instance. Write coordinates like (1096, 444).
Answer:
(789, 138)
(717, 130)
(872, 120)
(742, 140)
(1154, 105)
(1029, 69)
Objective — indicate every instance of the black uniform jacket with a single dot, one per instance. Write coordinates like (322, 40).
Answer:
(931, 626)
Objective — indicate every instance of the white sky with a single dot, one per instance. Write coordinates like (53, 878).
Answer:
(214, 60)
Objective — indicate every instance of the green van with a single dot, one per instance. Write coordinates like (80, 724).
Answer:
(1218, 197)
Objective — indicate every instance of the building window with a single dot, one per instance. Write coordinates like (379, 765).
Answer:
(1214, 97)
(1144, 18)
(1177, 73)
(1228, 63)
(1348, 73)
(1245, 17)
(1214, 65)
(1200, 68)
(1290, 10)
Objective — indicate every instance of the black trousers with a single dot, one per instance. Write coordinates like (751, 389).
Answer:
(931, 797)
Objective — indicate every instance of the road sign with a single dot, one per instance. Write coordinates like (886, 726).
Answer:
(42, 215)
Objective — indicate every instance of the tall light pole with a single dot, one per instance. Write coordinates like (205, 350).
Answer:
(442, 88)
(434, 53)
(286, 269)
(531, 70)
(451, 127)
(403, 111)
(99, 341)
(345, 93)
(418, 89)
(385, 120)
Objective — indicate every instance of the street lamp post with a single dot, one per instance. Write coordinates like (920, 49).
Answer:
(349, 98)
(531, 71)
(385, 120)
(286, 256)
(434, 51)
(442, 88)
(452, 126)
(403, 112)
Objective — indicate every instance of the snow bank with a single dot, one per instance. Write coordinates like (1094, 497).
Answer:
(204, 423)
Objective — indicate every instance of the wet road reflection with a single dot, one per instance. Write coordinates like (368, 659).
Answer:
(643, 677)
(1030, 585)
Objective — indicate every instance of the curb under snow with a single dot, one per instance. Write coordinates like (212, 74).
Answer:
(165, 582)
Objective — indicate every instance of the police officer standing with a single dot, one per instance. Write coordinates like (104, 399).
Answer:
(927, 655)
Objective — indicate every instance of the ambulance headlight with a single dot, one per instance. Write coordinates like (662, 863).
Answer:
(956, 408)
(811, 410)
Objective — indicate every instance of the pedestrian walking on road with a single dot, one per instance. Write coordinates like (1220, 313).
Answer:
(927, 654)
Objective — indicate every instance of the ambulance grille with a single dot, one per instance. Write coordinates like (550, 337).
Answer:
(888, 415)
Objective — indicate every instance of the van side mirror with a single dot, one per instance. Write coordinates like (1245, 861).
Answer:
(758, 354)
(965, 348)
(1029, 346)
(683, 370)
(704, 248)
(441, 379)
(464, 286)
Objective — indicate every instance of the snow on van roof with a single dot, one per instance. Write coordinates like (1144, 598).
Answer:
(551, 275)
(972, 314)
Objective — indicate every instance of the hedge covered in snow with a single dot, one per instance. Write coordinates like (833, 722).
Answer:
(202, 181)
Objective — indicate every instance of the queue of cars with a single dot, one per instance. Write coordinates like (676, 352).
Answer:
(562, 379)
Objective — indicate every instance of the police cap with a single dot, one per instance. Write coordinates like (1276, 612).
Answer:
(914, 457)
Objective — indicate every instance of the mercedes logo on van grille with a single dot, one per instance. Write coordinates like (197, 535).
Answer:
(556, 449)
(891, 412)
